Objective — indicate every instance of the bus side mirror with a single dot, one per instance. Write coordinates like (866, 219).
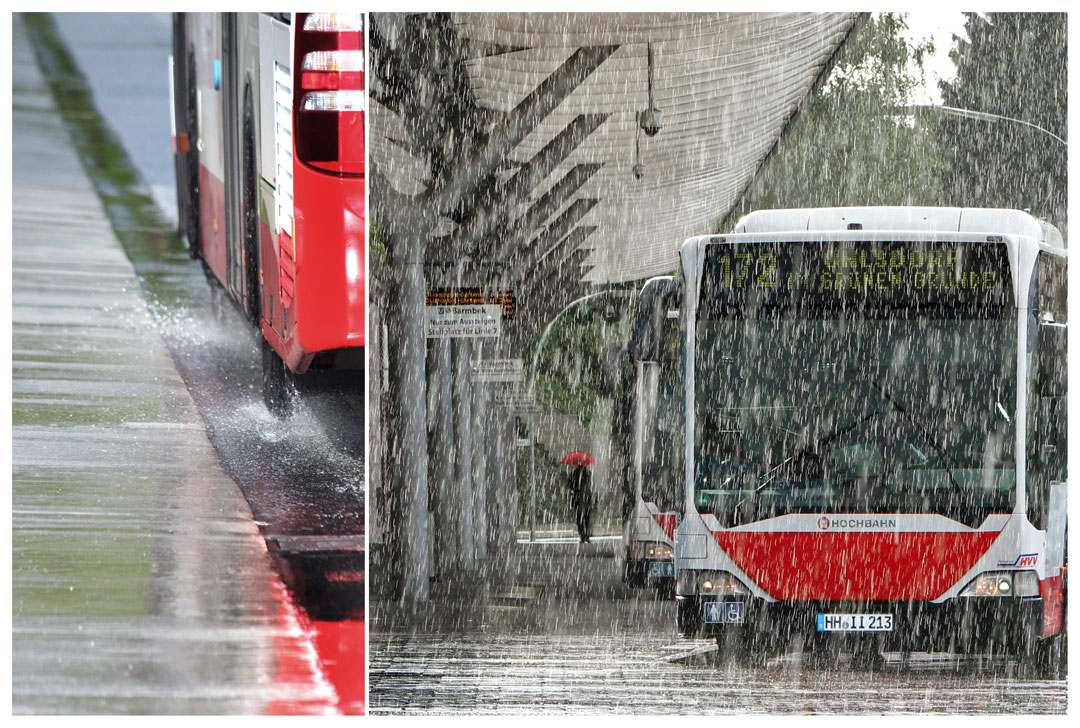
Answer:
(646, 333)
(1051, 369)
(1052, 436)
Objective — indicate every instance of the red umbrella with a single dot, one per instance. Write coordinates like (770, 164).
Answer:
(578, 458)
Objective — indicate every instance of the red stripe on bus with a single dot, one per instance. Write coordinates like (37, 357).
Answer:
(212, 220)
(1051, 591)
(666, 521)
(855, 565)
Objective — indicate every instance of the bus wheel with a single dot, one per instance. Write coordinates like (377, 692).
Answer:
(279, 392)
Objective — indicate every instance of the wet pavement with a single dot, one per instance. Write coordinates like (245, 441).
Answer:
(647, 670)
(139, 581)
(143, 579)
(551, 628)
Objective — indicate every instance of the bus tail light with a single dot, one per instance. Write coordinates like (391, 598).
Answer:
(330, 100)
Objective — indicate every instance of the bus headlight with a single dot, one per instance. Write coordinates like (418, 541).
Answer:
(1003, 584)
(720, 583)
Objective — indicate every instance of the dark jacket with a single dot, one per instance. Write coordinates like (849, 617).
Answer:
(581, 495)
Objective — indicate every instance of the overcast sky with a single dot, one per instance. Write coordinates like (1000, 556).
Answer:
(941, 26)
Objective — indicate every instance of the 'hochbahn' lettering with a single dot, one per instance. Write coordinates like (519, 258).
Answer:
(862, 523)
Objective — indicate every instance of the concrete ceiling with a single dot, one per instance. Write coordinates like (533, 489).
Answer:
(726, 85)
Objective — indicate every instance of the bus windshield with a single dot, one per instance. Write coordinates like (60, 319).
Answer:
(862, 377)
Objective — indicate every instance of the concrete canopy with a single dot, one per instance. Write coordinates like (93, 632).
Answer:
(726, 85)
(501, 155)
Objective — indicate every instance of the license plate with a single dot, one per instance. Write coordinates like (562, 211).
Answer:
(724, 612)
(854, 623)
(661, 568)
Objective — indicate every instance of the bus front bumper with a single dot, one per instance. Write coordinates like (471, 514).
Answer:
(658, 573)
(957, 625)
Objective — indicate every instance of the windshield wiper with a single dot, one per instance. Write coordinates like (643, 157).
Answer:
(949, 462)
(803, 452)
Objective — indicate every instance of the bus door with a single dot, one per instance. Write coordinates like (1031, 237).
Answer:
(230, 97)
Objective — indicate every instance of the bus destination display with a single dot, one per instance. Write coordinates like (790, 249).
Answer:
(856, 273)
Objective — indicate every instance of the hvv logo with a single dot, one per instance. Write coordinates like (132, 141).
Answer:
(1021, 560)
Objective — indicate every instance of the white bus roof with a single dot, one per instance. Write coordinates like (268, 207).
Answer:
(940, 219)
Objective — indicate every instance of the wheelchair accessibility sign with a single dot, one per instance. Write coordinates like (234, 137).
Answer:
(662, 568)
(724, 612)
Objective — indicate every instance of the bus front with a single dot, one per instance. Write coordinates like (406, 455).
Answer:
(852, 436)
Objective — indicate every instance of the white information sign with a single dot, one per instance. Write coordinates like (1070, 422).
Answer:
(499, 370)
(462, 321)
(518, 401)
(515, 398)
(526, 409)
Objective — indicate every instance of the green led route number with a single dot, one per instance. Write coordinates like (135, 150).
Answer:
(744, 262)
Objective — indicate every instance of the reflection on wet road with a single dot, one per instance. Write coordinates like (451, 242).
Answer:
(495, 672)
(303, 476)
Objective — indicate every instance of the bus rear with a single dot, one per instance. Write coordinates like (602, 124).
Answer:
(268, 123)
(875, 421)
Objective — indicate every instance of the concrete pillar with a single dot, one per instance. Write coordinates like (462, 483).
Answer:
(463, 502)
(504, 486)
(407, 370)
(480, 434)
(512, 492)
(441, 443)
(492, 436)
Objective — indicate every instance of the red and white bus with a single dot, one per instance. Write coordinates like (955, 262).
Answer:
(268, 124)
(653, 387)
(875, 432)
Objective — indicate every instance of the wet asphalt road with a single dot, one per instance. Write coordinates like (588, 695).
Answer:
(642, 672)
(140, 583)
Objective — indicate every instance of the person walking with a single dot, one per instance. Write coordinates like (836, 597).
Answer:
(581, 498)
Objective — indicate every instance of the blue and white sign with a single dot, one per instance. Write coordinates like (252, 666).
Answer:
(725, 612)
(661, 568)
